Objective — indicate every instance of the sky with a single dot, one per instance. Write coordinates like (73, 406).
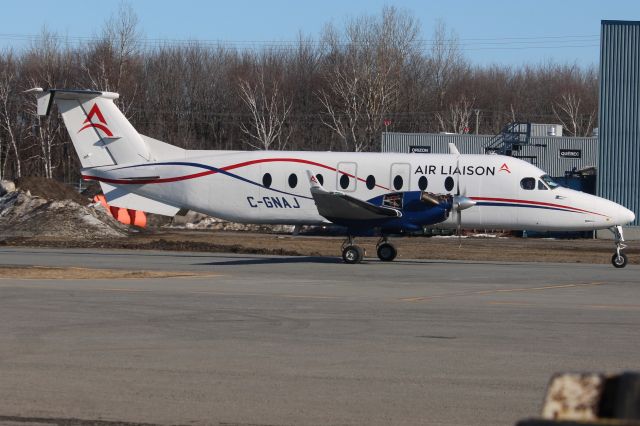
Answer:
(490, 31)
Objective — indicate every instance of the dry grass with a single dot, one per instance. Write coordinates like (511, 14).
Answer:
(51, 273)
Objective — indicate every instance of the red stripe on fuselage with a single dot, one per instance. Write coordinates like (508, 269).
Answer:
(226, 168)
(538, 203)
(295, 160)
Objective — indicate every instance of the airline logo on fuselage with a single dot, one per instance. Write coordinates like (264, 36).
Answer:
(456, 170)
(505, 168)
(101, 124)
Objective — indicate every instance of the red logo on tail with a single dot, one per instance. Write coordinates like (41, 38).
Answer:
(102, 125)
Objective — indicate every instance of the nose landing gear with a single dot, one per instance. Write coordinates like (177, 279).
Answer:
(619, 259)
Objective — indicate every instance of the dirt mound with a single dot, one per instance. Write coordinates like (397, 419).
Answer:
(198, 221)
(50, 189)
(26, 216)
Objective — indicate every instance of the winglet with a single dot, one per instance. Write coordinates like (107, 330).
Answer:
(453, 149)
(315, 185)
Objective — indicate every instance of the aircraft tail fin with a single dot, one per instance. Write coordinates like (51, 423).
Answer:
(101, 134)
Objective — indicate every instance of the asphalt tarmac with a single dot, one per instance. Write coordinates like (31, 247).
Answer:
(296, 340)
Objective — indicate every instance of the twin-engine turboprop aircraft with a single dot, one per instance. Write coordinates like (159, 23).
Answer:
(364, 192)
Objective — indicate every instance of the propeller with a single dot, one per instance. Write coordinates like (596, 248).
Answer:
(460, 202)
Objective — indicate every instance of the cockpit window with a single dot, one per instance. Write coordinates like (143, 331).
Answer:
(528, 183)
(552, 184)
(542, 186)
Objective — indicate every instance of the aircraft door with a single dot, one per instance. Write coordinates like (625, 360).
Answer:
(346, 177)
(400, 179)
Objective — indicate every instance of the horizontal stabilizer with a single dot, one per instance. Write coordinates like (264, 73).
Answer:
(120, 197)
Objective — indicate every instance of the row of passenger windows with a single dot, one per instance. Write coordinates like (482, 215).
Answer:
(527, 183)
(370, 182)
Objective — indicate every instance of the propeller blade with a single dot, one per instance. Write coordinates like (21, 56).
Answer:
(458, 178)
(459, 228)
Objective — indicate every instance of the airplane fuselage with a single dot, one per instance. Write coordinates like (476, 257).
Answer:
(272, 187)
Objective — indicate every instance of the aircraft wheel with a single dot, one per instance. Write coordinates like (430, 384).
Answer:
(387, 252)
(619, 260)
(352, 254)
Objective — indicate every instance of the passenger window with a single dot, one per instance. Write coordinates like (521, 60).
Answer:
(344, 181)
(293, 180)
(528, 183)
(266, 180)
(397, 182)
(423, 182)
(371, 182)
(542, 186)
(448, 183)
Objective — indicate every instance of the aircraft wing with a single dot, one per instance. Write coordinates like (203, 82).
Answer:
(339, 207)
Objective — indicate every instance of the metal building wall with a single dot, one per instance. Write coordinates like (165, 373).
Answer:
(619, 115)
(547, 157)
(439, 142)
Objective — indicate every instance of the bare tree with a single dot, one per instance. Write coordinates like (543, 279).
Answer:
(363, 73)
(567, 111)
(458, 117)
(8, 115)
(445, 61)
(269, 112)
(47, 66)
(331, 92)
(109, 59)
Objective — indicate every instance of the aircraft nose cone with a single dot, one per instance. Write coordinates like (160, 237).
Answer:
(628, 215)
(624, 215)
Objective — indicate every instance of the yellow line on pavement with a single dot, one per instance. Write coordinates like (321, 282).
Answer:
(498, 291)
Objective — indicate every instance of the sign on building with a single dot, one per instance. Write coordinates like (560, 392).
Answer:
(570, 153)
(418, 149)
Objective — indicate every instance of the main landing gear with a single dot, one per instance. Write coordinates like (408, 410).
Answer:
(386, 251)
(619, 259)
(351, 253)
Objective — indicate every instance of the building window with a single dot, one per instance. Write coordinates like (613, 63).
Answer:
(266, 180)
(371, 182)
(528, 183)
(344, 181)
(397, 182)
(293, 180)
(423, 182)
(448, 183)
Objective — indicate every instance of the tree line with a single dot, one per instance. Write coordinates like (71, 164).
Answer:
(337, 91)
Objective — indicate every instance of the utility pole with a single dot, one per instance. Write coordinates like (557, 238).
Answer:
(477, 111)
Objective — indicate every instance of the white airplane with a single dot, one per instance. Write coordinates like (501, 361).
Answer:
(365, 192)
